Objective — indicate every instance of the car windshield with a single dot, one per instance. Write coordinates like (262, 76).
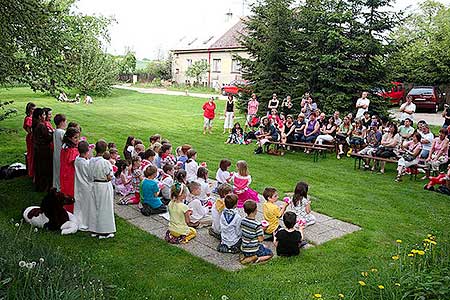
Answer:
(421, 91)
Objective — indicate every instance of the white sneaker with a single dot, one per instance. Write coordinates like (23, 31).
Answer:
(109, 236)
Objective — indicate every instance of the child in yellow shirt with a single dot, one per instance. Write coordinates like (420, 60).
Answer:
(272, 212)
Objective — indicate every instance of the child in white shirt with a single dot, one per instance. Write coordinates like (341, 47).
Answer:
(217, 208)
(230, 224)
(200, 214)
(191, 165)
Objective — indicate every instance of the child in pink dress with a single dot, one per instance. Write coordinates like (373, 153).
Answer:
(122, 183)
(241, 182)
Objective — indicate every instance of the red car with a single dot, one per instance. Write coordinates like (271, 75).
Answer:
(235, 87)
(427, 98)
(396, 95)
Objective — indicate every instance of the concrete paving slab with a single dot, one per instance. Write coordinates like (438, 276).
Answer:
(204, 245)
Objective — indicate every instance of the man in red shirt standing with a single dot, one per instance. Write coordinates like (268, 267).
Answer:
(208, 115)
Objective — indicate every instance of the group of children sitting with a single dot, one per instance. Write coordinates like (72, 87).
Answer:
(159, 181)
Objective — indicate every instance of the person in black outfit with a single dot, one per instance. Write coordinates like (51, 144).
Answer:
(289, 241)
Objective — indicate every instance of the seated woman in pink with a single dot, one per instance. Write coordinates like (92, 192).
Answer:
(241, 182)
(438, 153)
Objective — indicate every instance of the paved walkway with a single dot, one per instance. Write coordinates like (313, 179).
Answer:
(204, 245)
(163, 91)
(431, 118)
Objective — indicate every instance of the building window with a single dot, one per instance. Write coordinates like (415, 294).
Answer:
(235, 66)
(189, 62)
(216, 65)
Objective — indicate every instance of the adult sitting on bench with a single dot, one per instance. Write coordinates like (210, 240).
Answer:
(342, 134)
(268, 132)
(373, 139)
(410, 156)
(311, 130)
(389, 143)
(438, 153)
(327, 132)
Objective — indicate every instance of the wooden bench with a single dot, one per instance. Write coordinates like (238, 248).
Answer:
(317, 149)
(359, 157)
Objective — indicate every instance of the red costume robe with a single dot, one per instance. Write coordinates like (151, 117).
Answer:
(67, 172)
(27, 122)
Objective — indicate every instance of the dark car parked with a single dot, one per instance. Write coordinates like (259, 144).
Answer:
(427, 98)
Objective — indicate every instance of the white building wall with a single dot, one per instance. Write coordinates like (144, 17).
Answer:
(217, 78)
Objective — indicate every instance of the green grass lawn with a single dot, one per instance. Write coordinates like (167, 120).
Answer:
(141, 265)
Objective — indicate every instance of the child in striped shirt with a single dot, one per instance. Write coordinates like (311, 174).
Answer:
(252, 236)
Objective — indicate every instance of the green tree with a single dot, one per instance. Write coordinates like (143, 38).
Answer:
(269, 39)
(160, 69)
(422, 43)
(127, 63)
(333, 49)
(44, 44)
(197, 70)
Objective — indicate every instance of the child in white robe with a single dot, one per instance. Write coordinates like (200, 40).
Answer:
(83, 187)
(61, 124)
(101, 214)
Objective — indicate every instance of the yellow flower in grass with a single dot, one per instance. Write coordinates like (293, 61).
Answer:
(373, 270)
(341, 296)
(429, 235)
(365, 274)
(395, 257)
(317, 296)
(426, 241)
(414, 251)
(420, 252)
(381, 287)
(433, 242)
(361, 283)
(410, 254)
(397, 284)
(398, 241)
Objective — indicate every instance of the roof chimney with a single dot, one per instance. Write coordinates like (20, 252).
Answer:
(228, 16)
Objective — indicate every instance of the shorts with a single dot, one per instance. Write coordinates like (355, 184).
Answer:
(262, 251)
(207, 122)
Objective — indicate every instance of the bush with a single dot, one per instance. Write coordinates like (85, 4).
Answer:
(29, 270)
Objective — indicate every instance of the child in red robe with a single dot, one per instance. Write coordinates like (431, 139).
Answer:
(69, 153)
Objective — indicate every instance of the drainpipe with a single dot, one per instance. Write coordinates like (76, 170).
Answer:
(209, 68)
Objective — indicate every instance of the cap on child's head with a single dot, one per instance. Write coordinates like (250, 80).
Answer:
(231, 201)
(249, 206)
(289, 219)
(224, 189)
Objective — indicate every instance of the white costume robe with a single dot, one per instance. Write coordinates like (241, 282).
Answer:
(57, 145)
(101, 216)
(82, 192)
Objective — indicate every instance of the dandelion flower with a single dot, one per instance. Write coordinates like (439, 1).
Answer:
(36, 229)
(429, 235)
(398, 241)
(397, 284)
(414, 251)
(317, 296)
(410, 254)
(341, 296)
(17, 225)
(29, 266)
(426, 240)
(362, 283)
(22, 264)
(433, 242)
(420, 252)
(41, 260)
(395, 257)
(374, 270)
(381, 287)
(365, 274)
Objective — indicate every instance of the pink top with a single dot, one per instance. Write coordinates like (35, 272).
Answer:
(438, 144)
(241, 183)
(252, 107)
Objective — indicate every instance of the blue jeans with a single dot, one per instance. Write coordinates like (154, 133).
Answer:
(309, 139)
(424, 154)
